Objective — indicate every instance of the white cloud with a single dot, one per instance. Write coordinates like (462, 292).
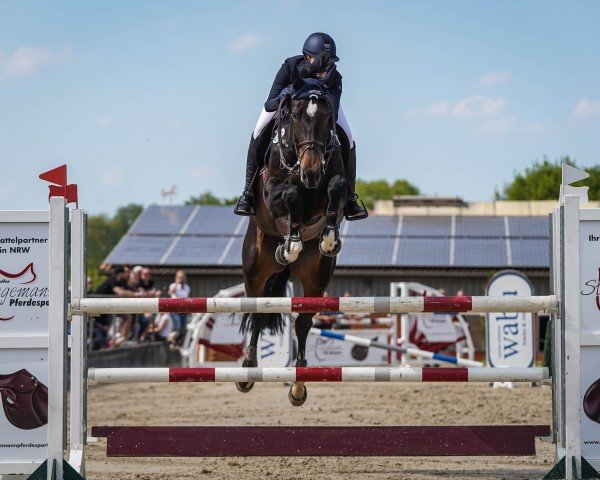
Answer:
(478, 106)
(435, 110)
(586, 108)
(246, 42)
(491, 79)
(103, 121)
(25, 60)
(112, 177)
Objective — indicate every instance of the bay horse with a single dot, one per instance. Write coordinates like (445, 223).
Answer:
(300, 195)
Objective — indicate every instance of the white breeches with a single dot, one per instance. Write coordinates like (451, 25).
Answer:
(265, 117)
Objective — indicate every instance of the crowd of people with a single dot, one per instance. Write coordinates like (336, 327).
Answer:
(137, 282)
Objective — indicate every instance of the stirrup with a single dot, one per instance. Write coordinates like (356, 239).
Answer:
(358, 212)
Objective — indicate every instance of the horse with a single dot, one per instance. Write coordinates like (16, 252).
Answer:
(300, 195)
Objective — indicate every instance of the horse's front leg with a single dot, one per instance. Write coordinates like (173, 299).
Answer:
(330, 243)
(288, 252)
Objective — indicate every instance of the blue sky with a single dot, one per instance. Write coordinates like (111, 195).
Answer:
(138, 96)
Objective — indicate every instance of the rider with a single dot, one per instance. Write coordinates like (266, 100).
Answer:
(318, 61)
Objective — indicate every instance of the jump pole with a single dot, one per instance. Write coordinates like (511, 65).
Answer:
(365, 342)
(317, 374)
(463, 304)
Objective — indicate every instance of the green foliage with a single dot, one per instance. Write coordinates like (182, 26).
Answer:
(542, 181)
(383, 190)
(103, 234)
(208, 198)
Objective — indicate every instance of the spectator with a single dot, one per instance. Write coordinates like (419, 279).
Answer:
(163, 327)
(460, 293)
(147, 288)
(179, 289)
(113, 285)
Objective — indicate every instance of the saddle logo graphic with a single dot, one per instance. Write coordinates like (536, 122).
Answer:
(25, 277)
(592, 287)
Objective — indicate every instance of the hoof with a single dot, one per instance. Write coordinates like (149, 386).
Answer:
(336, 250)
(279, 255)
(244, 387)
(296, 402)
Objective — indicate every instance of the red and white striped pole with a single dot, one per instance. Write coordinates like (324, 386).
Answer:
(317, 374)
(95, 306)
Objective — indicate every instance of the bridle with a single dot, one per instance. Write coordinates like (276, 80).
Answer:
(325, 150)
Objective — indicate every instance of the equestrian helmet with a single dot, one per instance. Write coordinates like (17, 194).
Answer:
(319, 42)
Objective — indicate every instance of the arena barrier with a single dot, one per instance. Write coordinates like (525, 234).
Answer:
(575, 355)
(365, 342)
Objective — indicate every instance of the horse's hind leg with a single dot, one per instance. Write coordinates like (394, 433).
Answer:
(330, 243)
(250, 359)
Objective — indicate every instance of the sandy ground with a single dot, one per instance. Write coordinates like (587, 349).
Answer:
(328, 404)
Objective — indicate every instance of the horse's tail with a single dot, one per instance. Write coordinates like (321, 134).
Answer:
(276, 286)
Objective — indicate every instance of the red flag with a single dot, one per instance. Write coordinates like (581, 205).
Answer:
(69, 192)
(57, 175)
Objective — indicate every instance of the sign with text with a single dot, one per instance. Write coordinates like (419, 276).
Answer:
(589, 241)
(509, 336)
(24, 301)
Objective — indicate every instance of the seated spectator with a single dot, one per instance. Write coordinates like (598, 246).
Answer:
(162, 328)
(147, 288)
(115, 284)
(325, 320)
(179, 289)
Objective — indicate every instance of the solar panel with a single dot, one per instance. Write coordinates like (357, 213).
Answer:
(361, 252)
(480, 252)
(530, 252)
(140, 250)
(197, 251)
(374, 226)
(480, 227)
(216, 220)
(423, 252)
(528, 227)
(233, 257)
(158, 219)
(426, 226)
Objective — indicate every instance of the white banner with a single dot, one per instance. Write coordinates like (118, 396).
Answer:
(24, 265)
(510, 336)
(323, 351)
(590, 333)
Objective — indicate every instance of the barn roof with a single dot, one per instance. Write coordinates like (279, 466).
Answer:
(212, 236)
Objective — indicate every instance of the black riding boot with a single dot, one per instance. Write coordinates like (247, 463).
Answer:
(355, 208)
(245, 204)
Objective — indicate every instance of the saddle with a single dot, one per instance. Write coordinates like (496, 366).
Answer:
(24, 400)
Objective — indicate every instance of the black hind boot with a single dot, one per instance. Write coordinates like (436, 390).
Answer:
(245, 204)
(355, 208)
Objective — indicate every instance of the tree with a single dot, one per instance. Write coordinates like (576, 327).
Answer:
(382, 190)
(104, 232)
(208, 198)
(542, 181)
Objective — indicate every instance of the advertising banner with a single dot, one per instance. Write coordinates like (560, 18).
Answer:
(322, 351)
(24, 300)
(590, 334)
(510, 336)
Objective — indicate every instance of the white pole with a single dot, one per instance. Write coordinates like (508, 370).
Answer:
(57, 338)
(571, 319)
(78, 377)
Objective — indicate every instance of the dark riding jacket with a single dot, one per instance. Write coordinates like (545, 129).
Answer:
(288, 74)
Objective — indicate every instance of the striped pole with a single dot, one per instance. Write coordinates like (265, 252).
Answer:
(317, 374)
(95, 306)
(365, 342)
